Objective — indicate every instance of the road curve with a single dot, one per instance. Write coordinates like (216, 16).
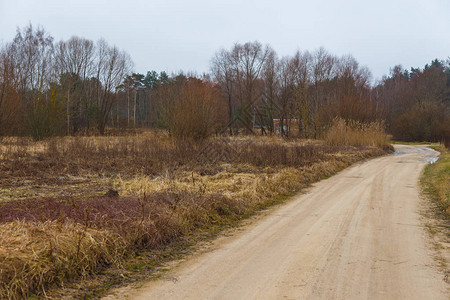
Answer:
(356, 235)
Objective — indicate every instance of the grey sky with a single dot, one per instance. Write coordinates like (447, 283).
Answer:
(183, 35)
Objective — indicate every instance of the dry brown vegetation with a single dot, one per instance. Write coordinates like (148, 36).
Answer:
(62, 226)
(354, 133)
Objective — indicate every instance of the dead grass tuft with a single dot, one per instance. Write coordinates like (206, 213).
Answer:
(34, 254)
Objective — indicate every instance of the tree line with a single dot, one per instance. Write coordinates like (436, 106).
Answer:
(49, 88)
(416, 103)
(78, 86)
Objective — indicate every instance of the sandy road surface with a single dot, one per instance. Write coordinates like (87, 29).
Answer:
(356, 235)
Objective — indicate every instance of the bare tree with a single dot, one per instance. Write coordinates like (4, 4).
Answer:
(323, 68)
(74, 61)
(33, 54)
(110, 68)
(286, 103)
(352, 91)
(270, 91)
(10, 101)
(239, 72)
(224, 74)
(249, 60)
(302, 63)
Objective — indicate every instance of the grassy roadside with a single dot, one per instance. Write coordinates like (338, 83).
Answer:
(436, 183)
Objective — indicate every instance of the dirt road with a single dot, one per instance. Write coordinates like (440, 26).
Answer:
(356, 235)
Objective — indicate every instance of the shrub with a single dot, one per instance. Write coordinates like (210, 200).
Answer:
(191, 108)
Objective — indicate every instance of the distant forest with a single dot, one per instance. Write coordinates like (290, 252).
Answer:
(78, 86)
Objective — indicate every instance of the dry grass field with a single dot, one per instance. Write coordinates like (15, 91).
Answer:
(72, 206)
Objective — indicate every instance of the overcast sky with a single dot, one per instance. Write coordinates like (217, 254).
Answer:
(179, 35)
